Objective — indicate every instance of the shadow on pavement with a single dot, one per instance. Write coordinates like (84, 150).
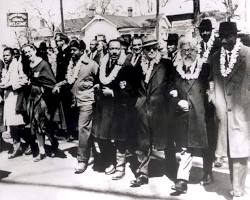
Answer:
(4, 174)
(115, 193)
(221, 184)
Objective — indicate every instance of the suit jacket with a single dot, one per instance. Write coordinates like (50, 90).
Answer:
(232, 102)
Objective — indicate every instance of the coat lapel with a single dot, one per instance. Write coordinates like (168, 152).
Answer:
(155, 68)
(238, 67)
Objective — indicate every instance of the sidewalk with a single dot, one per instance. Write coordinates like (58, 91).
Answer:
(54, 179)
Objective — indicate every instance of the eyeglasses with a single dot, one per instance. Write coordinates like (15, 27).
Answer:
(184, 51)
(148, 48)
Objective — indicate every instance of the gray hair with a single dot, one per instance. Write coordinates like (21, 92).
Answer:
(186, 39)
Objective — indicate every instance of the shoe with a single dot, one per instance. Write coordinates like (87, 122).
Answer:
(236, 193)
(180, 186)
(140, 180)
(28, 151)
(70, 138)
(118, 175)
(80, 168)
(218, 162)
(110, 170)
(15, 153)
(39, 157)
(207, 179)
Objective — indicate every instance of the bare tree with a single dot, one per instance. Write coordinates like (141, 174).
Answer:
(230, 9)
(49, 23)
(163, 3)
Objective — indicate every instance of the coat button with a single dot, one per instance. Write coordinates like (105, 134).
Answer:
(229, 109)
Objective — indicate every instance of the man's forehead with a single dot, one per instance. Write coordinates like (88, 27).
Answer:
(93, 42)
(7, 52)
(137, 41)
(115, 44)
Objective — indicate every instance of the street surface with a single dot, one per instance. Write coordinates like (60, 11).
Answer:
(54, 179)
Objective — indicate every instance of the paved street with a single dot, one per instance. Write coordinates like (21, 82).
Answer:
(54, 178)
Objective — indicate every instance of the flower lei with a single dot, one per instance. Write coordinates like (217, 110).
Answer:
(73, 70)
(195, 69)
(206, 53)
(135, 59)
(108, 79)
(147, 67)
(235, 53)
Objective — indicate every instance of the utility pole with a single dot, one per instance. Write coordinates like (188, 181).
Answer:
(157, 18)
(62, 20)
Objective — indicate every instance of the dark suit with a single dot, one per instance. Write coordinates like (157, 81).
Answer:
(152, 112)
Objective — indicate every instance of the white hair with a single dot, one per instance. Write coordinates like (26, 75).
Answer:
(187, 39)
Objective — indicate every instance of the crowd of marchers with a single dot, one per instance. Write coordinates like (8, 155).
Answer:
(121, 97)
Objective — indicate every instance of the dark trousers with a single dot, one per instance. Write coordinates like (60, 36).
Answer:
(112, 152)
(84, 133)
(212, 135)
(70, 114)
(18, 132)
(143, 157)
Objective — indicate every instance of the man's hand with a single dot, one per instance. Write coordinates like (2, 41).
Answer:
(173, 93)
(56, 89)
(183, 104)
(107, 91)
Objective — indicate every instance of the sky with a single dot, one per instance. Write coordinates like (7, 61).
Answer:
(73, 9)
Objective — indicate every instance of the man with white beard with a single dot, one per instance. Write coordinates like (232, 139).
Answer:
(188, 127)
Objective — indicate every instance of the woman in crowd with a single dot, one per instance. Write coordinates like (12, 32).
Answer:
(40, 108)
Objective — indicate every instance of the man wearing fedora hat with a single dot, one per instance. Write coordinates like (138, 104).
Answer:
(172, 42)
(231, 97)
(151, 106)
(208, 45)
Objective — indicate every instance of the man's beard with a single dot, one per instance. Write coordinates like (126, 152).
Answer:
(187, 61)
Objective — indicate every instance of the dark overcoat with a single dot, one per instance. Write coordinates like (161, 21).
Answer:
(113, 114)
(152, 107)
(188, 129)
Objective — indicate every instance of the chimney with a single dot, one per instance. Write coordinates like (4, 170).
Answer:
(130, 11)
(91, 11)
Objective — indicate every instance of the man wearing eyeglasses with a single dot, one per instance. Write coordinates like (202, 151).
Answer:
(188, 127)
(151, 106)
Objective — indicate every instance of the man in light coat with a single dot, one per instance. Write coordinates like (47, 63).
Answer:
(231, 96)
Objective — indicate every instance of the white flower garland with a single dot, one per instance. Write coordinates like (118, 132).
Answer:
(135, 59)
(206, 53)
(73, 70)
(195, 69)
(147, 67)
(235, 53)
(108, 79)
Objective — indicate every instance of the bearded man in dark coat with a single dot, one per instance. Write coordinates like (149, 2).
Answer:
(188, 127)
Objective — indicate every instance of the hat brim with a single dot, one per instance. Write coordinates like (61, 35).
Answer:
(204, 27)
(150, 44)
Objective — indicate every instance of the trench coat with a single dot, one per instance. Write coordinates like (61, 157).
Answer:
(152, 107)
(232, 102)
(188, 129)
